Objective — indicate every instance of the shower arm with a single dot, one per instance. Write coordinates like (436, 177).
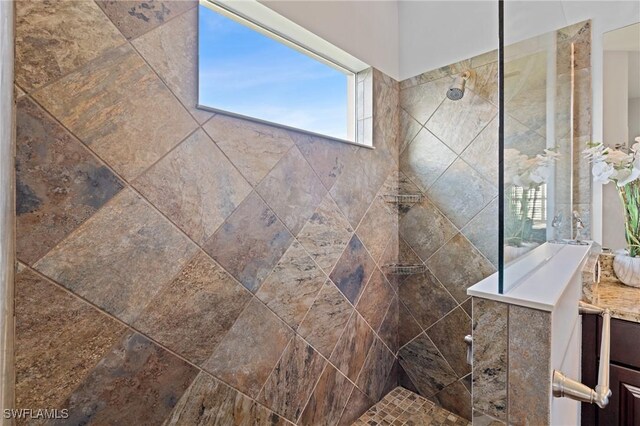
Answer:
(563, 386)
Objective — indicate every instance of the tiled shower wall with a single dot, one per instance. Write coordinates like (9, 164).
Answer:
(449, 155)
(184, 267)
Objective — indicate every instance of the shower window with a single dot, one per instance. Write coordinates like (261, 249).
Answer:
(248, 69)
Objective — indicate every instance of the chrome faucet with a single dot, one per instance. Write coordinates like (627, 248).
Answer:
(579, 225)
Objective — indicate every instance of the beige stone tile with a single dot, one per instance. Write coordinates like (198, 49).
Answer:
(482, 153)
(529, 366)
(375, 299)
(121, 257)
(425, 230)
(353, 270)
(107, 105)
(53, 39)
(136, 376)
(137, 17)
(292, 286)
(252, 147)
(425, 159)
(457, 273)
(58, 340)
(410, 327)
(327, 158)
(427, 369)
(461, 193)
(421, 101)
(457, 123)
(326, 319)
(389, 328)
(490, 339)
(426, 298)
(378, 226)
(195, 186)
(59, 183)
(409, 128)
(352, 348)
(326, 234)
(293, 379)
(292, 190)
(357, 405)
(376, 369)
(482, 232)
(192, 313)
(172, 51)
(250, 350)
(209, 401)
(250, 243)
(448, 336)
(328, 399)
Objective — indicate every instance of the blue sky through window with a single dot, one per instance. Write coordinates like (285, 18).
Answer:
(245, 72)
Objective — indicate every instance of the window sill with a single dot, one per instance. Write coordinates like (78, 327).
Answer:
(282, 126)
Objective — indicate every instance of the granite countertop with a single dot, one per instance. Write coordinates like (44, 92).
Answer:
(622, 300)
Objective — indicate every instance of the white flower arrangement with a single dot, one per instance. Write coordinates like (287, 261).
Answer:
(525, 172)
(621, 166)
(614, 165)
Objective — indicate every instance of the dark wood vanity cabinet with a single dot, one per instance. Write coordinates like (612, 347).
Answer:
(624, 405)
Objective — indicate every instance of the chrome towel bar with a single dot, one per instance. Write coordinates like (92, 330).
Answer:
(563, 386)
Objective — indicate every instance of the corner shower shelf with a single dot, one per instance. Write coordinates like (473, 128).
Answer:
(406, 269)
(403, 198)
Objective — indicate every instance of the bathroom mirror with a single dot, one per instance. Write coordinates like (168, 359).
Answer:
(621, 117)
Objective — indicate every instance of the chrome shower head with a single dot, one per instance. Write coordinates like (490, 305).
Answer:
(456, 91)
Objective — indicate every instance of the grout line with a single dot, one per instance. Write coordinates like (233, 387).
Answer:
(128, 185)
(135, 330)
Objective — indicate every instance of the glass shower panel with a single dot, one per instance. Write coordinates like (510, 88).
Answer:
(541, 150)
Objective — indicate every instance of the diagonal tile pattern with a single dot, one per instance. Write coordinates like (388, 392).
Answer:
(472, 191)
(326, 319)
(192, 303)
(182, 183)
(137, 17)
(353, 270)
(252, 147)
(292, 190)
(292, 286)
(326, 234)
(52, 39)
(121, 257)
(351, 351)
(250, 350)
(209, 401)
(59, 183)
(328, 400)
(106, 394)
(171, 50)
(105, 104)
(290, 384)
(192, 313)
(250, 242)
(59, 339)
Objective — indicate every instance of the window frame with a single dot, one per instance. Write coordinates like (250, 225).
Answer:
(261, 19)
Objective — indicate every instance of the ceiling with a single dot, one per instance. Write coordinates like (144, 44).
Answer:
(408, 37)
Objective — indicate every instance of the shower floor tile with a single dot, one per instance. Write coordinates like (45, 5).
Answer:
(403, 407)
